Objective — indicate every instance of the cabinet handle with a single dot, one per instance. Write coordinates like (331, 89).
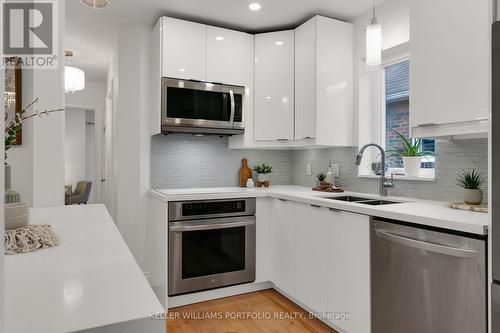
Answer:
(335, 210)
(281, 139)
(282, 199)
(307, 137)
(315, 206)
(426, 124)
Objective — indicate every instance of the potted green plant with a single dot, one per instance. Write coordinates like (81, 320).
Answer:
(471, 181)
(411, 154)
(321, 176)
(263, 170)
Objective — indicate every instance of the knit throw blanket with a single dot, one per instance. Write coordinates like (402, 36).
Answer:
(29, 238)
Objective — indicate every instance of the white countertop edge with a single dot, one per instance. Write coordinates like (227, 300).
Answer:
(431, 213)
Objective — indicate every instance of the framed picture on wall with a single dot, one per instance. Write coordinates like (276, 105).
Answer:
(13, 95)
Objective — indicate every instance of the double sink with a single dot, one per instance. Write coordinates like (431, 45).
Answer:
(364, 201)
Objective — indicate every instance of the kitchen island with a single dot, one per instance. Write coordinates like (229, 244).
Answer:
(90, 282)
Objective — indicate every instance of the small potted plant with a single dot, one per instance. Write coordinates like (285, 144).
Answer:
(263, 170)
(471, 181)
(322, 180)
(411, 154)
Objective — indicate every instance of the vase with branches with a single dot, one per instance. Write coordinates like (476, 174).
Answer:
(14, 126)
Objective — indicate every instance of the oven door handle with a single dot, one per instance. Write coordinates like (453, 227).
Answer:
(217, 224)
(233, 107)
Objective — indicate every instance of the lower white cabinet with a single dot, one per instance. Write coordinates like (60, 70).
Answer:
(349, 270)
(311, 255)
(321, 258)
(283, 228)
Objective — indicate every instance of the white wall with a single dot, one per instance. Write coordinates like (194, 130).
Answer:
(75, 145)
(38, 165)
(131, 136)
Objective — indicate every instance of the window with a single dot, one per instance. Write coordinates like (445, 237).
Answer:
(397, 115)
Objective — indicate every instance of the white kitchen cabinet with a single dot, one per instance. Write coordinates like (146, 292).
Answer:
(324, 82)
(228, 54)
(450, 66)
(274, 86)
(184, 49)
(349, 270)
(311, 253)
(283, 229)
(262, 240)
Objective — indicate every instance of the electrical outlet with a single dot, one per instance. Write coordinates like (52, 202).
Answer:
(309, 169)
(336, 170)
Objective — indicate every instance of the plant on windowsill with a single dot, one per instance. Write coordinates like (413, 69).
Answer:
(263, 170)
(322, 180)
(411, 154)
(471, 181)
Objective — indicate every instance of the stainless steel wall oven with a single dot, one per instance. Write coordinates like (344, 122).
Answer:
(211, 244)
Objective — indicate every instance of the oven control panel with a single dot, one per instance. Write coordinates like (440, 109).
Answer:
(211, 208)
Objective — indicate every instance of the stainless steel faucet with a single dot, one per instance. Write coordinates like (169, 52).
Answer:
(384, 183)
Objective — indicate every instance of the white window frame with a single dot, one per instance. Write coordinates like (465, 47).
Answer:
(390, 57)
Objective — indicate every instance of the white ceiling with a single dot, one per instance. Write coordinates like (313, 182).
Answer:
(91, 34)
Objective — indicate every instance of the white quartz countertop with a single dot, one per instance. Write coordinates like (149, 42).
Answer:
(89, 280)
(423, 212)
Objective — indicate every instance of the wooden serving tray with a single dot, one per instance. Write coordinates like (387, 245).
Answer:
(472, 208)
(328, 189)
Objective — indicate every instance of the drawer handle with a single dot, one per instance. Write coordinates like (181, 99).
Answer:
(426, 125)
(335, 210)
(316, 206)
(282, 199)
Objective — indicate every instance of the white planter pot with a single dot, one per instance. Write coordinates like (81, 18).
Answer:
(263, 177)
(473, 197)
(412, 165)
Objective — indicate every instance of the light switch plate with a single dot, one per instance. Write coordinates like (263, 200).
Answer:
(309, 171)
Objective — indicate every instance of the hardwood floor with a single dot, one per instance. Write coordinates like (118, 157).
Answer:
(259, 312)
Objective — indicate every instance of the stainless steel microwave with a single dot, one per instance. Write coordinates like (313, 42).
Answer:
(201, 107)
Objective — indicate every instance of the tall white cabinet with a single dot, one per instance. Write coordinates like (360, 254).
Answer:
(274, 86)
(450, 65)
(324, 82)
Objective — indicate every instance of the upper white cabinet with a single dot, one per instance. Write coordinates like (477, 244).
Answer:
(450, 56)
(228, 54)
(274, 86)
(324, 82)
(184, 49)
(199, 52)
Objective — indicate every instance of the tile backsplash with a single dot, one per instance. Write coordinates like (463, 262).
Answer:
(187, 161)
(452, 157)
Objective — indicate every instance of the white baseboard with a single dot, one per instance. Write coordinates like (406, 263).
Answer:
(176, 301)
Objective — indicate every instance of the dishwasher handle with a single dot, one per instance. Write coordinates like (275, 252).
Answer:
(431, 247)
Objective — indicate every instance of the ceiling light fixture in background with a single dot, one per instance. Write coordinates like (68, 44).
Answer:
(254, 6)
(373, 43)
(74, 78)
(96, 4)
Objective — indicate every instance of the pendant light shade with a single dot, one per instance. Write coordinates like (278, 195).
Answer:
(74, 79)
(373, 44)
(96, 4)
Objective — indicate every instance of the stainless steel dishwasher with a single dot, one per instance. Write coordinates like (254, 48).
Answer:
(426, 281)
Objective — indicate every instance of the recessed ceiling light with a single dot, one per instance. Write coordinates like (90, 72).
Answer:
(219, 38)
(279, 43)
(268, 97)
(254, 6)
(182, 70)
(96, 4)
